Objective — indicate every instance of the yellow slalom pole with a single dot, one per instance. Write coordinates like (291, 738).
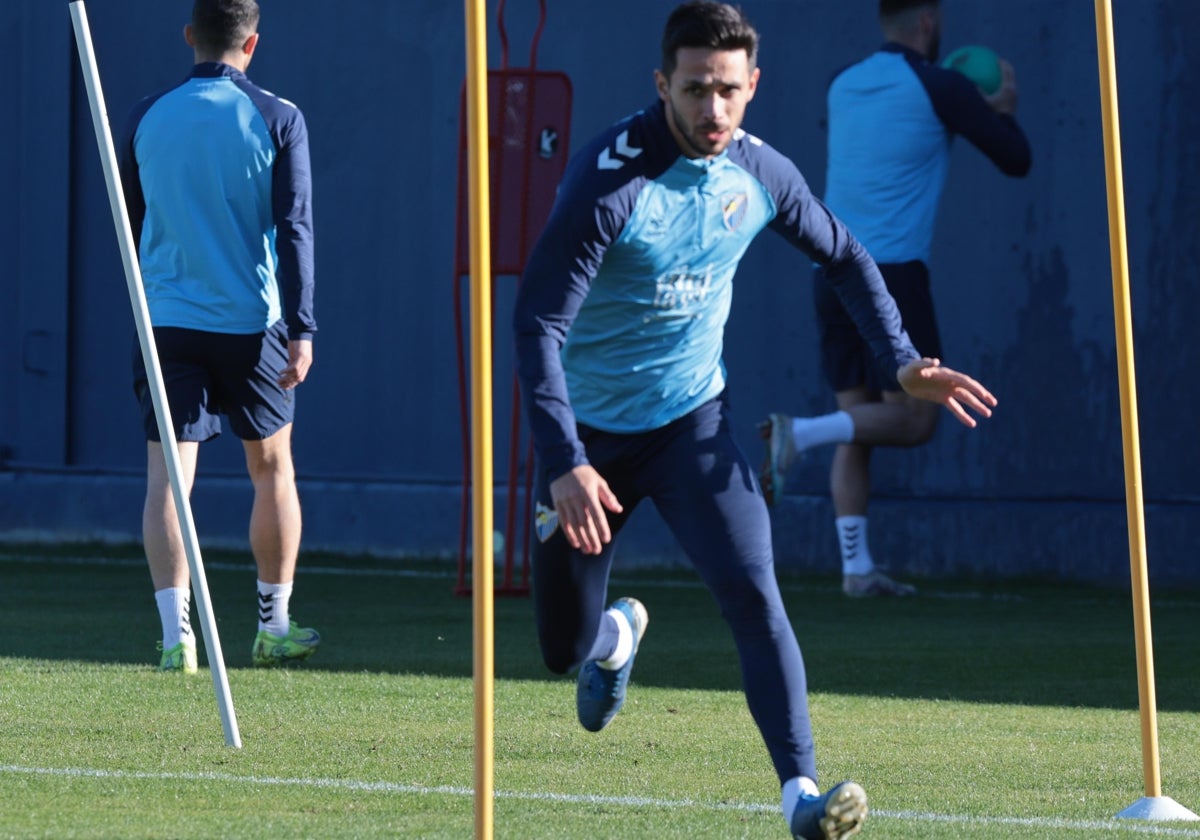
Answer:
(1129, 423)
(481, 414)
(1133, 467)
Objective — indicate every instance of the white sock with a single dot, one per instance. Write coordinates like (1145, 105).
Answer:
(174, 610)
(624, 643)
(808, 432)
(273, 607)
(852, 538)
(792, 790)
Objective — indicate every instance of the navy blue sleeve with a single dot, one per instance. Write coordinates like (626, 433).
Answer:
(131, 181)
(291, 197)
(808, 224)
(291, 201)
(558, 274)
(963, 110)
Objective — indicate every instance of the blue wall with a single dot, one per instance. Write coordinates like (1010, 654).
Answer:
(1021, 273)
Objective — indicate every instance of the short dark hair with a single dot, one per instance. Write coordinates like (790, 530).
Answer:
(887, 8)
(219, 26)
(703, 23)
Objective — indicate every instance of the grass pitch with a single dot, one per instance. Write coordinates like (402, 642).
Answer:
(1004, 713)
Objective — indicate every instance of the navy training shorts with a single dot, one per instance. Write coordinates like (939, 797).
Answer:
(208, 374)
(846, 358)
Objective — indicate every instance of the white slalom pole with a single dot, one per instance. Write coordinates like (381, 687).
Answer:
(141, 315)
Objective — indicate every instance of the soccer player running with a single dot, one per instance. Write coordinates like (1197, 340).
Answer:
(892, 117)
(217, 180)
(619, 325)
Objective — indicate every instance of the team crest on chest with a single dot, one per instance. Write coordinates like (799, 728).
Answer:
(733, 209)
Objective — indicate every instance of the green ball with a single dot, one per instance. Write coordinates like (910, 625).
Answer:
(979, 64)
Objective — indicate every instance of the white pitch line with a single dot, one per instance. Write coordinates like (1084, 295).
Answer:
(1112, 825)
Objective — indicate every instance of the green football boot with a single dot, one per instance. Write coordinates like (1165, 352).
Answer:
(270, 650)
(181, 658)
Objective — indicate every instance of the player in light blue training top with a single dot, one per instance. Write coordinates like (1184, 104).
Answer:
(217, 181)
(619, 326)
(892, 119)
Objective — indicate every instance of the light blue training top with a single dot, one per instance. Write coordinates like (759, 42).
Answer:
(892, 117)
(218, 184)
(620, 318)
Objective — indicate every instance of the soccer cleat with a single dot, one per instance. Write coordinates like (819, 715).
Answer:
(299, 644)
(837, 814)
(875, 583)
(776, 432)
(600, 692)
(180, 658)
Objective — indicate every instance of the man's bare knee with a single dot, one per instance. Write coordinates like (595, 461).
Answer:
(270, 459)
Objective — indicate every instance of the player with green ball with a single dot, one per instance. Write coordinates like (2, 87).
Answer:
(892, 117)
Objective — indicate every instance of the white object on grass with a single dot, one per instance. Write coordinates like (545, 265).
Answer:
(141, 316)
(1157, 808)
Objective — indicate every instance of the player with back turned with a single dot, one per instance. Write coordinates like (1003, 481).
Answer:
(619, 325)
(217, 179)
(892, 117)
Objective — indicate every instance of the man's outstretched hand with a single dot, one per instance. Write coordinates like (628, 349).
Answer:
(926, 379)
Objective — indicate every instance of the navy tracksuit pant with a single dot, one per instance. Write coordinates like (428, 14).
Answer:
(705, 489)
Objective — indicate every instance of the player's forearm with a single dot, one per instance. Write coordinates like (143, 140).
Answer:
(547, 404)
(1001, 139)
(863, 292)
(292, 205)
(294, 248)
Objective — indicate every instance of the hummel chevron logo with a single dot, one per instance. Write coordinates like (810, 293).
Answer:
(622, 150)
(266, 607)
